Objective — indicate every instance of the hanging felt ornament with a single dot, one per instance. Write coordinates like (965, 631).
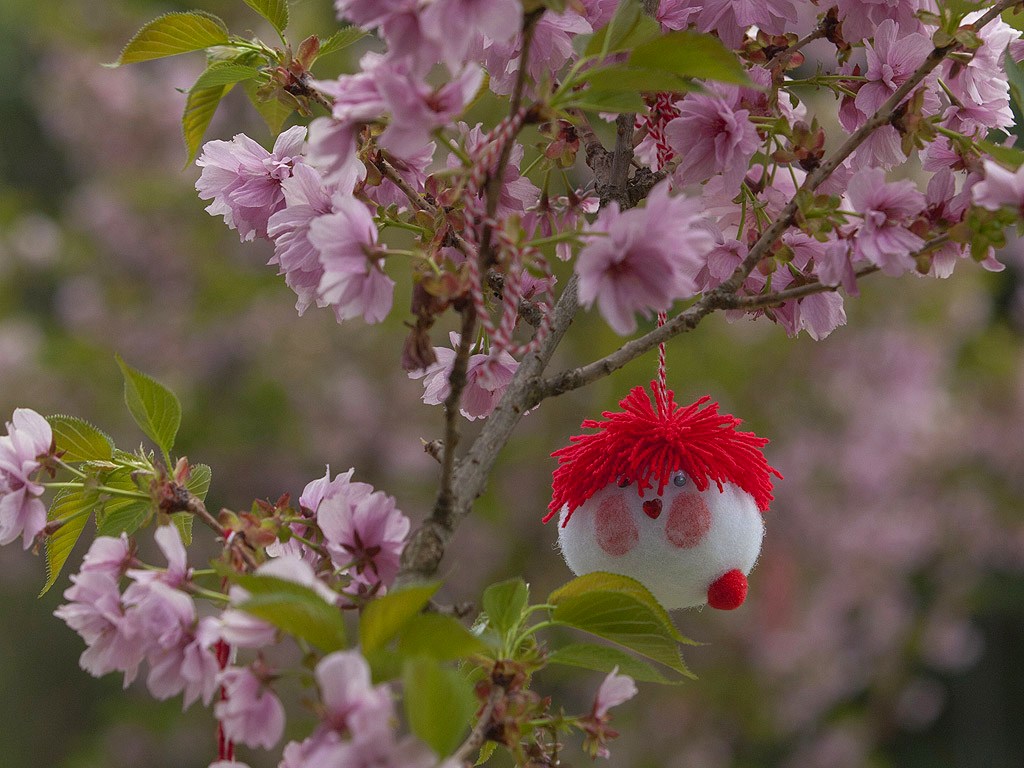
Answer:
(670, 495)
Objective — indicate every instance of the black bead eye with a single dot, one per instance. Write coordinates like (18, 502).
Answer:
(623, 481)
(679, 479)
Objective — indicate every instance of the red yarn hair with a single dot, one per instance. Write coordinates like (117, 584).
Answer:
(645, 444)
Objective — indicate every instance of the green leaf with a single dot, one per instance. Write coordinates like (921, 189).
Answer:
(1015, 76)
(439, 704)
(438, 637)
(1009, 156)
(1015, 18)
(628, 28)
(174, 33)
(80, 440)
(198, 484)
(154, 407)
(273, 112)
(385, 617)
(620, 77)
(619, 609)
(603, 658)
(121, 515)
(294, 608)
(79, 502)
(599, 100)
(225, 73)
(486, 752)
(343, 38)
(600, 581)
(274, 11)
(504, 603)
(690, 54)
(200, 106)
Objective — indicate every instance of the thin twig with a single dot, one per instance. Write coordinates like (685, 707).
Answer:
(464, 754)
(816, 34)
(196, 506)
(388, 171)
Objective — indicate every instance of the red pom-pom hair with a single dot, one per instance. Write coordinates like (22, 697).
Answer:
(644, 445)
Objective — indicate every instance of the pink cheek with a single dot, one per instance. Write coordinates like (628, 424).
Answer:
(616, 531)
(689, 521)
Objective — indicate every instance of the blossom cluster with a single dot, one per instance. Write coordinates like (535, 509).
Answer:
(393, 154)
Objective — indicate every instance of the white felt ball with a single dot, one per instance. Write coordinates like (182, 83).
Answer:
(684, 541)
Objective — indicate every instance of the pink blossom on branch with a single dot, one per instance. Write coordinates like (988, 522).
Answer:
(363, 532)
(244, 180)
(888, 208)
(353, 281)
(28, 440)
(712, 136)
(615, 689)
(1000, 188)
(643, 259)
(486, 382)
(250, 712)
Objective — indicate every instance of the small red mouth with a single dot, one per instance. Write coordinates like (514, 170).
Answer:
(652, 508)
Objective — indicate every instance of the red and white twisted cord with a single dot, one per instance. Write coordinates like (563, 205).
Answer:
(484, 160)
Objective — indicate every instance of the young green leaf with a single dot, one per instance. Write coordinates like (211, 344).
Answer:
(154, 407)
(174, 33)
(600, 581)
(438, 637)
(1015, 76)
(623, 620)
(690, 54)
(200, 106)
(620, 77)
(343, 38)
(273, 112)
(79, 440)
(76, 504)
(439, 703)
(604, 658)
(274, 11)
(1008, 156)
(294, 608)
(385, 617)
(225, 73)
(504, 603)
(601, 100)
(628, 28)
(120, 515)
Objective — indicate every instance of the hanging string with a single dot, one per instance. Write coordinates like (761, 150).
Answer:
(662, 373)
(516, 257)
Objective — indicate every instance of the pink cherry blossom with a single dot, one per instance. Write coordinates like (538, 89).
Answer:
(821, 313)
(862, 17)
(711, 136)
(108, 554)
(168, 540)
(251, 713)
(364, 533)
(647, 259)
(306, 199)
(353, 282)
(980, 85)
(28, 439)
(517, 193)
(892, 58)
(883, 238)
(351, 703)
(417, 109)
(550, 49)
(95, 612)
(244, 180)
(677, 14)
(498, 20)
(487, 378)
(731, 18)
(1000, 188)
(189, 667)
(615, 689)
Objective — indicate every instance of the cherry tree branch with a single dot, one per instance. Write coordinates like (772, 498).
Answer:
(465, 753)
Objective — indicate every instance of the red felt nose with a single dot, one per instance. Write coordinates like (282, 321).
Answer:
(652, 508)
(728, 591)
